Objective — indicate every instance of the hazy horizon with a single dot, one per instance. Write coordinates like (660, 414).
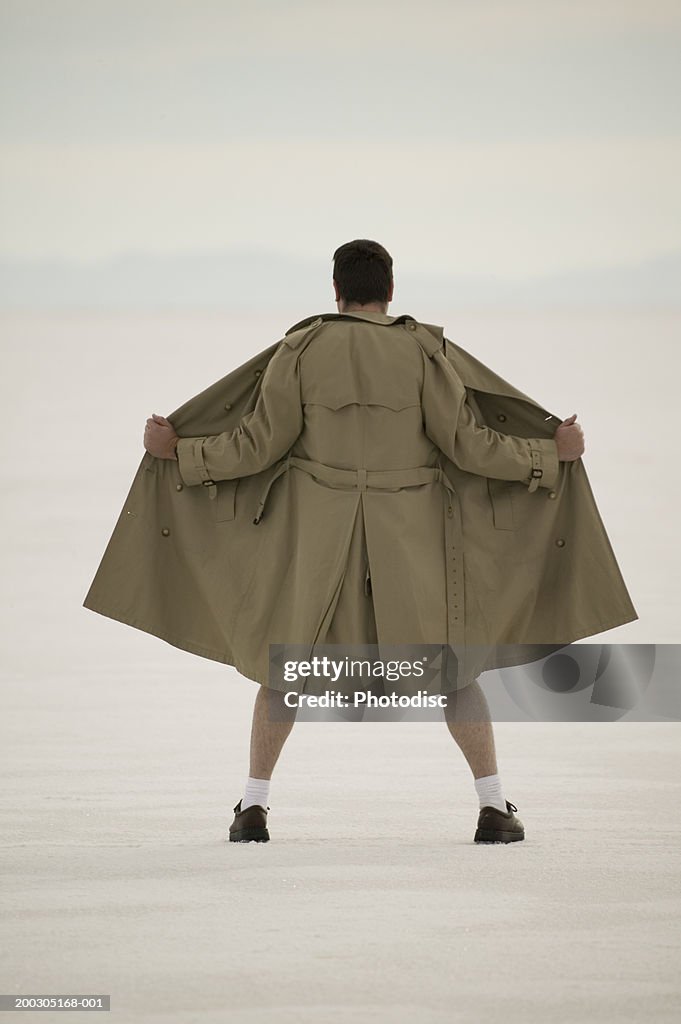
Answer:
(509, 147)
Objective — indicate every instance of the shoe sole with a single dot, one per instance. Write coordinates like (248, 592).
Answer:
(250, 835)
(493, 835)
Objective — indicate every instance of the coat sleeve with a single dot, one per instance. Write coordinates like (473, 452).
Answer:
(263, 435)
(450, 423)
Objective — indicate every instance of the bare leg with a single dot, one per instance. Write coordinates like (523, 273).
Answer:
(469, 722)
(272, 722)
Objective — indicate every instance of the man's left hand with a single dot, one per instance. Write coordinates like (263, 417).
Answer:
(159, 437)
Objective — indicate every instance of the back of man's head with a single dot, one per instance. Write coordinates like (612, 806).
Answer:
(362, 269)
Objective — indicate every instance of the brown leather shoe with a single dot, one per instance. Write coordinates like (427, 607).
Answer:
(249, 826)
(496, 826)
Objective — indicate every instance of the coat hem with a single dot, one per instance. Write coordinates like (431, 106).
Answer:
(511, 661)
(183, 645)
(212, 654)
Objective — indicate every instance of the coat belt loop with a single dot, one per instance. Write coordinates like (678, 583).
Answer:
(362, 479)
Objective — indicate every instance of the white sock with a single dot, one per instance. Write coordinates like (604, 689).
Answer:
(257, 792)
(489, 792)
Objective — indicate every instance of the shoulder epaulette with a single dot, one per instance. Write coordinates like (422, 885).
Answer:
(429, 336)
(297, 334)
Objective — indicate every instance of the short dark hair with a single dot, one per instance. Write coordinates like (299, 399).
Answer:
(363, 271)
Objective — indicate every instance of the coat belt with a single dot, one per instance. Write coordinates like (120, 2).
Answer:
(357, 479)
(394, 480)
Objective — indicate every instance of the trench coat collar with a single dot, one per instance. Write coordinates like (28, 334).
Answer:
(374, 318)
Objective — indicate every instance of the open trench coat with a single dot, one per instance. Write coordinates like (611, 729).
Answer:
(474, 535)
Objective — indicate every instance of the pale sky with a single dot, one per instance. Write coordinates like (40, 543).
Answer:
(505, 138)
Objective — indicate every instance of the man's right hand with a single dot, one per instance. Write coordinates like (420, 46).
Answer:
(569, 438)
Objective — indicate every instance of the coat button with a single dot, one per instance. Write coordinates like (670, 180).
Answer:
(228, 405)
(411, 326)
(560, 542)
(501, 417)
(258, 372)
(552, 494)
(178, 487)
(165, 531)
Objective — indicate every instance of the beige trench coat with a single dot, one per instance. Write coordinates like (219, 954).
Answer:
(362, 480)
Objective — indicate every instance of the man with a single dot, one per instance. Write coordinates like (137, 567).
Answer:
(364, 402)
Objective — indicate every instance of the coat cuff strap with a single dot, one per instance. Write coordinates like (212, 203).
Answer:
(190, 461)
(545, 467)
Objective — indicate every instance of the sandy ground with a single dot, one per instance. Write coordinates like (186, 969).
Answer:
(371, 902)
(124, 757)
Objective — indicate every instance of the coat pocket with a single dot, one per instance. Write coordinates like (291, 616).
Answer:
(225, 500)
(501, 499)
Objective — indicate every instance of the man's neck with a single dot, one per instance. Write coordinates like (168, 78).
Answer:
(368, 307)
